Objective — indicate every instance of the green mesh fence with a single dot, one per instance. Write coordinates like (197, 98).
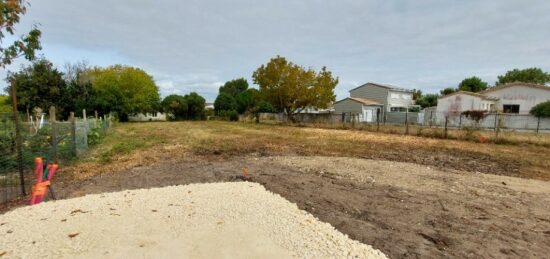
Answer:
(61, 141)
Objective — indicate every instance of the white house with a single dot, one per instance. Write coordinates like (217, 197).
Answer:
(156, 116)
(461, 101)
(516, 98)
(373, 98)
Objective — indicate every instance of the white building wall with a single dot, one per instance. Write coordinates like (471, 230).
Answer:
(159, 116)
(525, 97)
(399, 99)
(458, 103)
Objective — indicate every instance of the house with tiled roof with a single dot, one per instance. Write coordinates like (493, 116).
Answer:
(515, 98)
(374, 99)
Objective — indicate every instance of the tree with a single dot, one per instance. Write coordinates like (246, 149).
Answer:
(428, 100)
(291, 88)
(263, 106)
(125, 90)
(80, 91)
(472, 84)
(247, 100)
(541, 110)
(39, 85)
(176, 105)
(234, 87)
(448, 90)
(528, 75)
(195, 104)
(10, 14)
(417, 93)
(4, 104)
(224, 102)
(235, 95)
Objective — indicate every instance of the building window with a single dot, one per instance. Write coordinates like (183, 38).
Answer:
(398, 109)
(510, 108)
(394, 95)
(406, 96)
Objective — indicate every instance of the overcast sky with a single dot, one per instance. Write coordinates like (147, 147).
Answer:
(199, 44)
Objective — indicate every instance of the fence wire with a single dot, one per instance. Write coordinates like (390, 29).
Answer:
(53, 141)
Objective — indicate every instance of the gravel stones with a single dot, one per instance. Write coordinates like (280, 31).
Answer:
(218, 220)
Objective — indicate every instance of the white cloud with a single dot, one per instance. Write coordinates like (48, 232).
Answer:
(198, 44)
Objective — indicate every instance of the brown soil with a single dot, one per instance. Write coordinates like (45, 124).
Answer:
(405, 210)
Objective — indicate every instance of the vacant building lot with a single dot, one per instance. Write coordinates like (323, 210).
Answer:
(407, 196)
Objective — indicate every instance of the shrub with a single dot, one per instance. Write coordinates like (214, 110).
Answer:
(233, 115)
(541, 110)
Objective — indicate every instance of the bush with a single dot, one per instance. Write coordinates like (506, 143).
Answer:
(233, 115)
(541, 110)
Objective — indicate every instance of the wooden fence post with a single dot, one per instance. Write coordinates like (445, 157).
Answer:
(53, 126)
(378, 120)
(407, 122)
(73, 133)
(18, 141)
(446, 122)
(96, 118)
(460, 121)
(431, 118)
(497, 125)
(538, 124)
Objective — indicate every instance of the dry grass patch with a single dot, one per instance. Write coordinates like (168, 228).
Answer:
(134, 144)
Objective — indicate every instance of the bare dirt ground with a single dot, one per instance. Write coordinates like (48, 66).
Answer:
(409, 196)
(403, 209)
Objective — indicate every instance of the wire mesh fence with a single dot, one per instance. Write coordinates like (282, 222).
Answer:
(22, 140)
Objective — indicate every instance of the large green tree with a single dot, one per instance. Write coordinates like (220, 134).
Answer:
(39, 85)
(472, 84)
(448, 90)
(79, 88)
(176, 105)
(25, 45)
(541, 110)
(125, 90)
(234, 87)
(224, 102)
(427, 100)
(529, 75)
(235, 95)
(247, 100)
(4, 104)
(195, 104)
(291, 88)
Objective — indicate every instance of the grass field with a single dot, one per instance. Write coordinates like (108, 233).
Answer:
(132, 143)
(451, 199)
(409, 196)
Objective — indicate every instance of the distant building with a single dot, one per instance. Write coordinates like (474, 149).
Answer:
(317, 110)
(209, 106)
(156, 116)
(371, 99)
(515, 98)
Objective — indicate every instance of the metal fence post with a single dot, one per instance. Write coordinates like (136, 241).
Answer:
(73, 133)
(18, 142)
(53, 126)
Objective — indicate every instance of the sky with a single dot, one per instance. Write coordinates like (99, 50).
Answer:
(197, 45)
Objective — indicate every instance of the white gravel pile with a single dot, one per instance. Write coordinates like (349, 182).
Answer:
(222, 220)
